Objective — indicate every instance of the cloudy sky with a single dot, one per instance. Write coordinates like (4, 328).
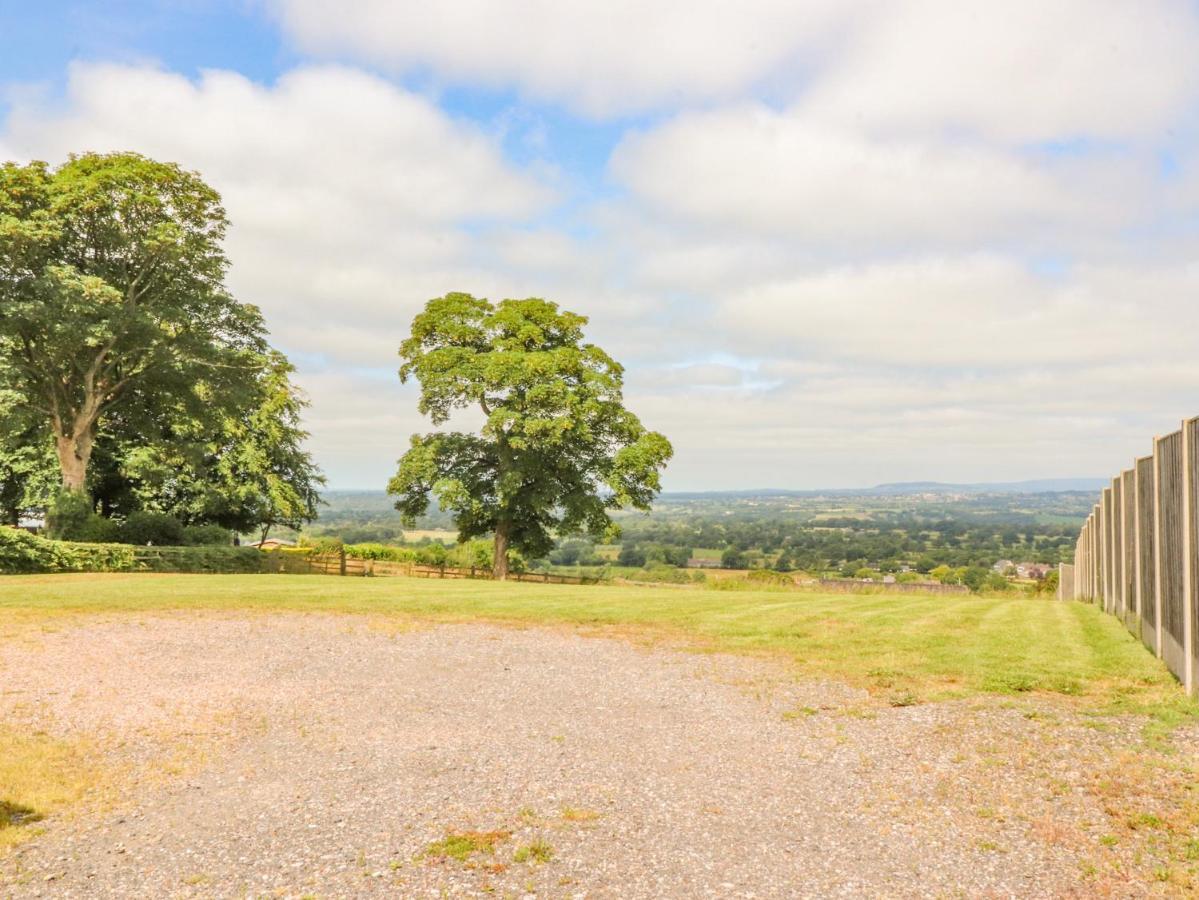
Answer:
(835, 243)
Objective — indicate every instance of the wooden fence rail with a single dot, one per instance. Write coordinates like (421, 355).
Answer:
(1137, 555)
(340, 564)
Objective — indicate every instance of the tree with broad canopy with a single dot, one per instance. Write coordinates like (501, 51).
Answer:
(557, 450)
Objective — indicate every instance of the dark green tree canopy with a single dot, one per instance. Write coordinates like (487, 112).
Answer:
(557, 449)
(112, 293)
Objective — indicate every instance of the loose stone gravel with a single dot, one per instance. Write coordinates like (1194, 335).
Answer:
(331, 756)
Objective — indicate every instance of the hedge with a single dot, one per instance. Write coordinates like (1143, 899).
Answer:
(22, 552)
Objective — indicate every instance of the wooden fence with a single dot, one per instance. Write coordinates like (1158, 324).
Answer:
(1137, 555)
(340, 564)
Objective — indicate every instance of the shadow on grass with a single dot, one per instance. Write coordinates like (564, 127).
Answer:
(16, 814)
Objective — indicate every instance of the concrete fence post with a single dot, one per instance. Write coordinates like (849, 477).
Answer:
(1188, 553)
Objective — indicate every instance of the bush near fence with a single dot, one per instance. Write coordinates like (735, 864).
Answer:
(1137, 555)
(22, 552)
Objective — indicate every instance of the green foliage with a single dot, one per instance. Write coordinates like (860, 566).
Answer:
(71, 517)
(22, 552)
(630, 555)
(558, 450)
(28, 471)
(732, 558)
(207, 536)
(768, 576)
(210, 560)
(158, 529)
(121, 348)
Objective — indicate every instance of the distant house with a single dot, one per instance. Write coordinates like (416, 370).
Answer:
(1002, 566)
(1032, 570)
(696, 563)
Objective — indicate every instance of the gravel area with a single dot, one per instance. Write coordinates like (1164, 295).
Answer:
(331, 756)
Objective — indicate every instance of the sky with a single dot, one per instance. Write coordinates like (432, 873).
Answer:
(834, 242)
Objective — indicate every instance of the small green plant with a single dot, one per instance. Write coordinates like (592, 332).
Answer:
(537, 852)
(574, 814)
(461, 845)
(903, 698)
(802, 712)
(1009, 683)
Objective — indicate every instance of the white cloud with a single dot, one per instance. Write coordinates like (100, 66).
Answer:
(349, 200)
(1017, 70)
(599, 57)
(750, 169)
(976, 312)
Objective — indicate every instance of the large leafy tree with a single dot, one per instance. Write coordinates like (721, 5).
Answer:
(27, 467)
(112, 299)
(249, 471)
(557, 450)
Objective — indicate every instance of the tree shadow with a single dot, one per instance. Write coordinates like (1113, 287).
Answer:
(12, 814)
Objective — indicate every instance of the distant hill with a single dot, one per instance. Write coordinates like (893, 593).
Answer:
(1037, 486)
(379, 501)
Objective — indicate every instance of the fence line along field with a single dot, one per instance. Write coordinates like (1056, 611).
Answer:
(1137, 555)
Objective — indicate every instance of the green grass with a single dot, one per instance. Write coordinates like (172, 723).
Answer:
(536, 852)
(461, 845)
(928, 647)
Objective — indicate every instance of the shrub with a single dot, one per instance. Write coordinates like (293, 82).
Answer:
(207, 536)
(97, 530)
(70, 517)
(22, 552)
(768, 576)
(203, 559)
(158, 529)
(382, 552)
(630, 555)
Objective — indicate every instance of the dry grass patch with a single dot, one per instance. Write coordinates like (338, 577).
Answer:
(40, 775)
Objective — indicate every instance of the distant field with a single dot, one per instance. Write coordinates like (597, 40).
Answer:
(920, 647)
(433, 534)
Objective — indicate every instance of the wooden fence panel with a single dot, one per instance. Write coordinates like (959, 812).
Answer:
(1145, 558)
(1169, 463)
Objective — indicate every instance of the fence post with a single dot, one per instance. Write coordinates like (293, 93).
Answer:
(341, 561)
(1188, 549)
(1157, 545)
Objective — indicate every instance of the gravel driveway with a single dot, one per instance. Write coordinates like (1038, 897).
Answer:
(331, 756)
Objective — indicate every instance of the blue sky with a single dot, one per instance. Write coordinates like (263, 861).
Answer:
(836, 243)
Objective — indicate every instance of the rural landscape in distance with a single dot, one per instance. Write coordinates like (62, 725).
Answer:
(599, 450)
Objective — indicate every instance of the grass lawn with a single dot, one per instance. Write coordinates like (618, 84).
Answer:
(925, 647)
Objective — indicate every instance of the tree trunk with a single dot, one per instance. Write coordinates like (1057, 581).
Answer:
(74, 454)
(499, 566)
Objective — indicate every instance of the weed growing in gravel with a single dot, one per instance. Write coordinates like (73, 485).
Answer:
(536, 852)
(461, 845)
(572, 814)
(802, 713)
